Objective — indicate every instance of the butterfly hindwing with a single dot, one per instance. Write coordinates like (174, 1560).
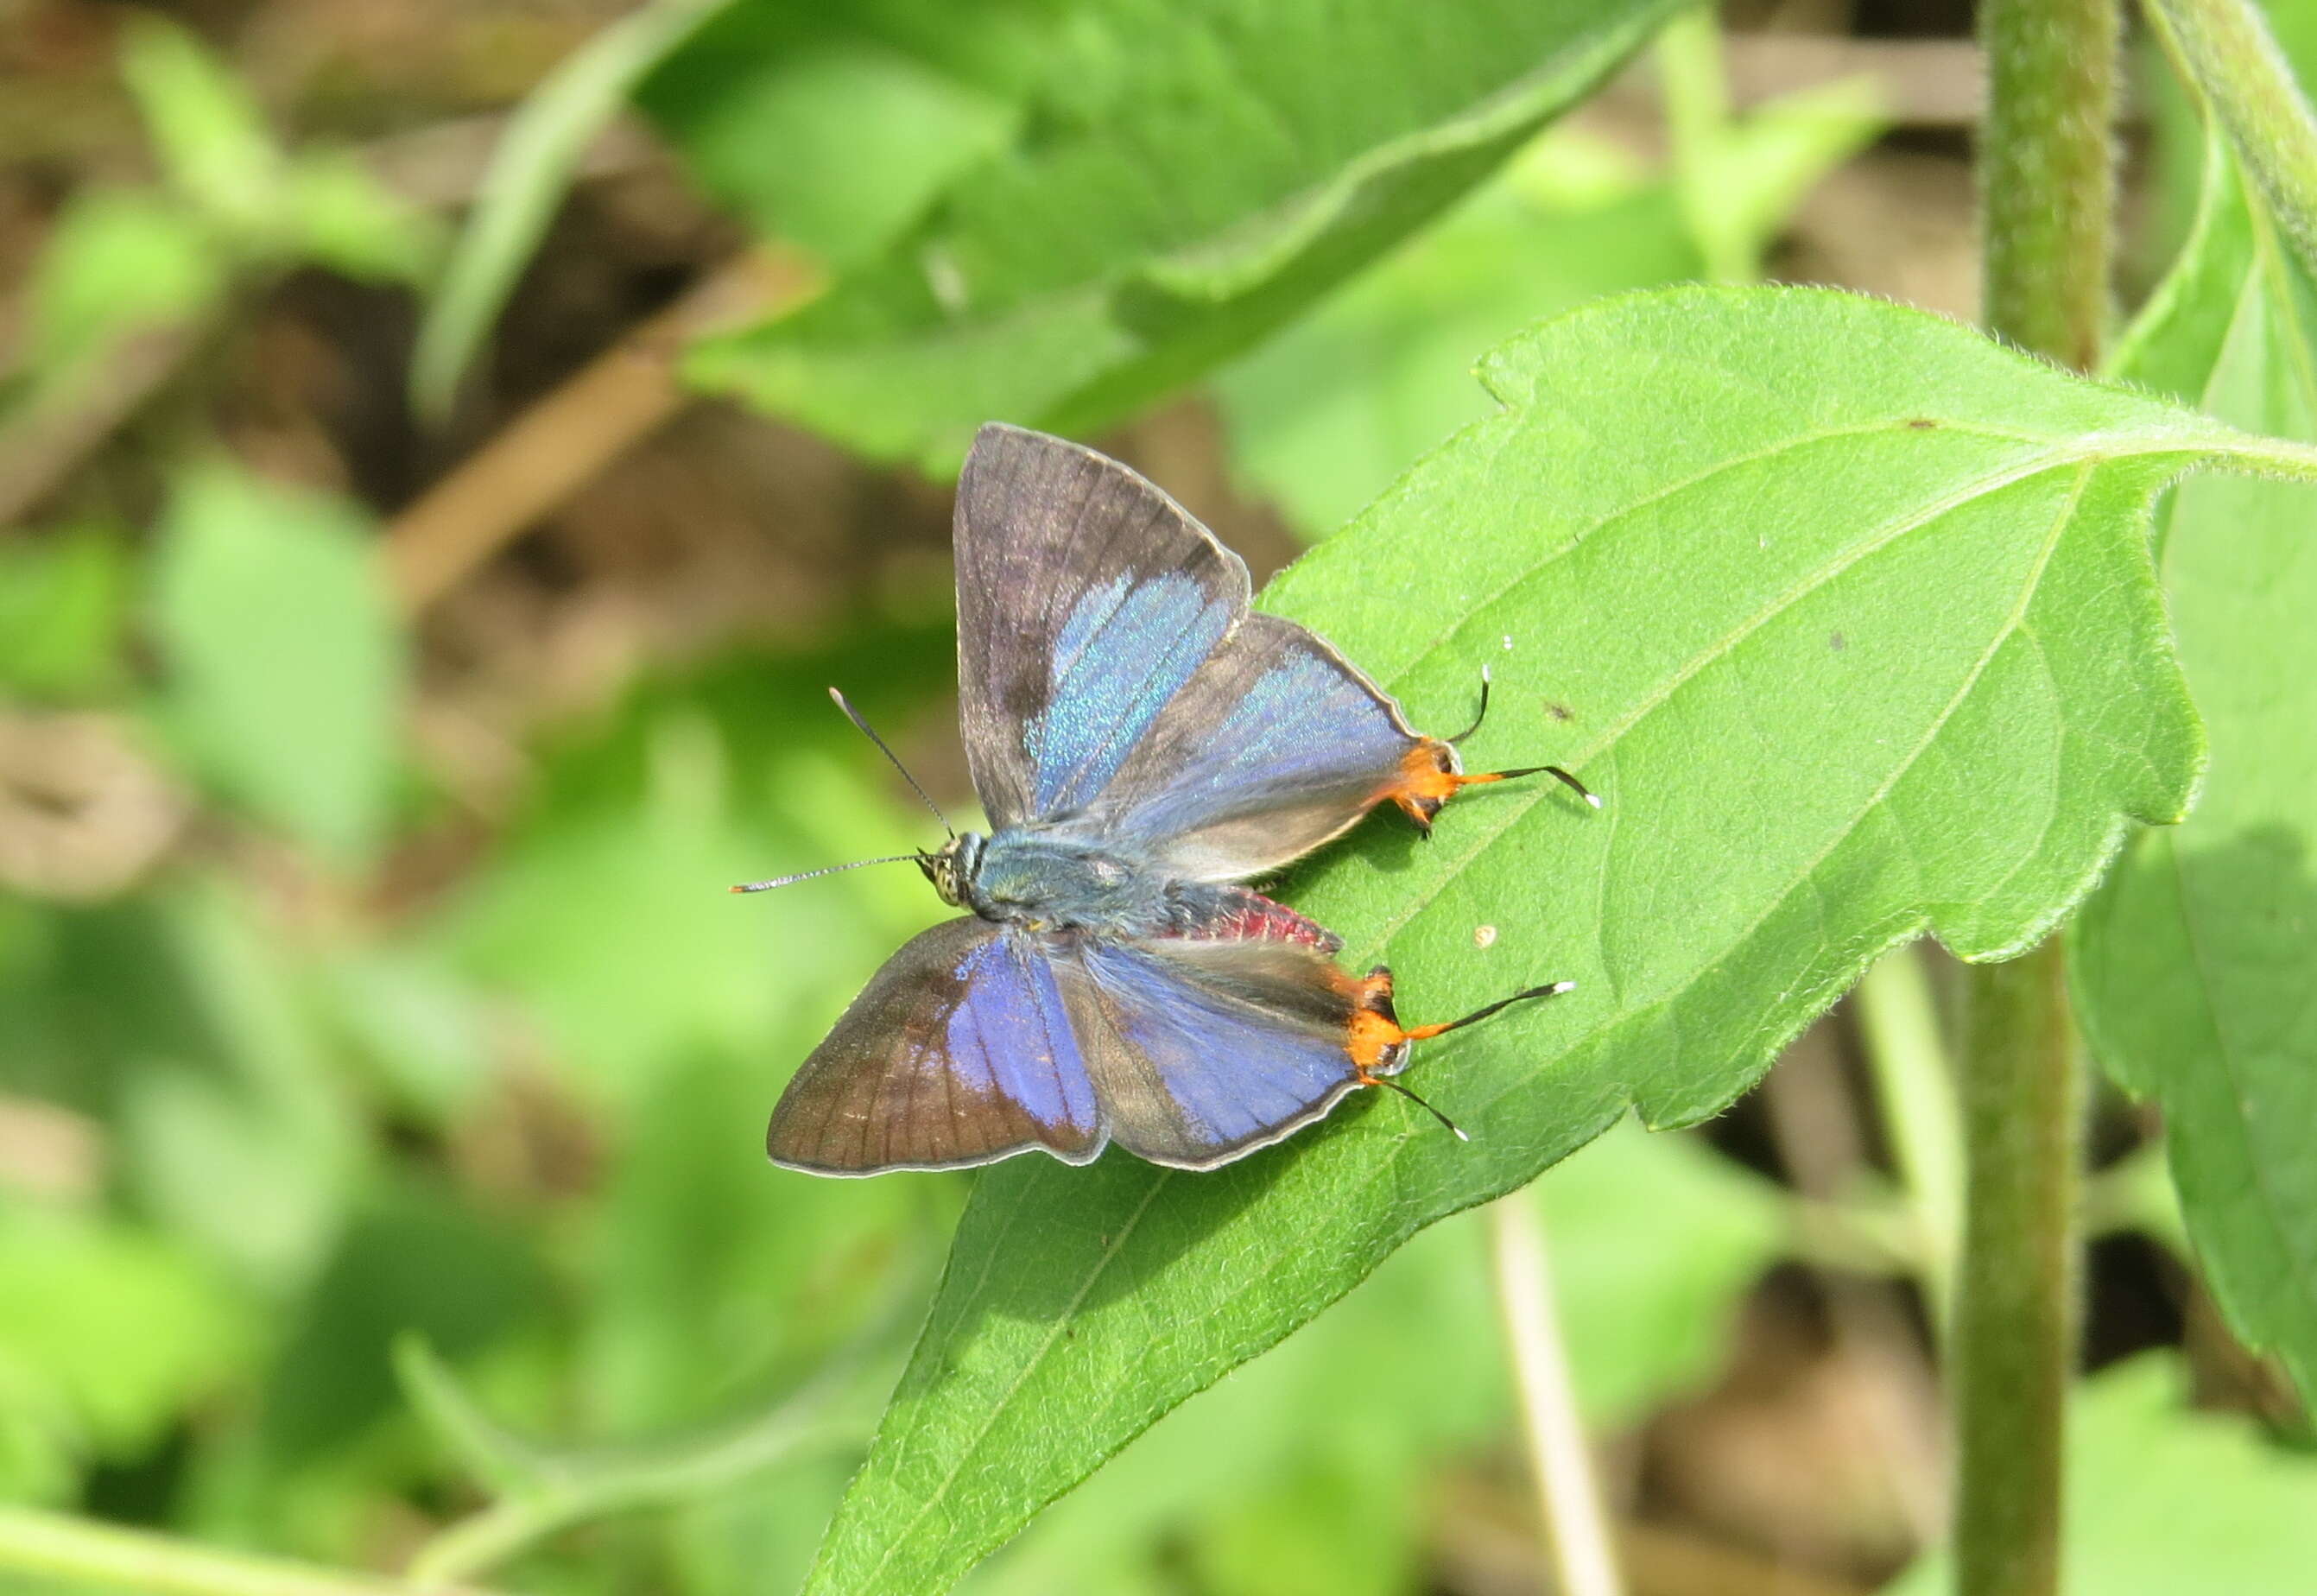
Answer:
(1202, 1050)
(1273, 747)
(959, 1051)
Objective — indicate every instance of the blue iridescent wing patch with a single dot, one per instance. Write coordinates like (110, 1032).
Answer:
(1204, 1050)
(1086, 599)
(1273, 747)
(959, 1052)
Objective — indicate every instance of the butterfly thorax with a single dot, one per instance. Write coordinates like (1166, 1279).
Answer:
(1044, 880)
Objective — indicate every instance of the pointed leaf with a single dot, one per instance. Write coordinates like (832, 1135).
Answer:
(2194, 964)
(528, 173)
(1154, 215)
(1850, 614)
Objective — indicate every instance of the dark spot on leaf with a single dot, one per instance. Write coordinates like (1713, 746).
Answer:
(1922, 424)
(1559, 711)
(1836, 641)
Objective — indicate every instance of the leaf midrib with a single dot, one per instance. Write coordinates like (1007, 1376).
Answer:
(1730, 462)
(2010, 628)
(1509, 814)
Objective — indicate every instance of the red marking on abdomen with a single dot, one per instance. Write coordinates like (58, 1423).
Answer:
(1254, 918)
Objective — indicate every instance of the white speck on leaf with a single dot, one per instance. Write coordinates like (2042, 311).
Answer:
(1482, 936)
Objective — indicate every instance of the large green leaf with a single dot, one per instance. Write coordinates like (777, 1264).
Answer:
(1655, 1241)
(82, 1374)
(2194, 964)
(833, 128)
(1189, 175)
(1325, 415)
(1850, 614)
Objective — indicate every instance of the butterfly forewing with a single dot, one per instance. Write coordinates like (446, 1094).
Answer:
(959, 1051)
(1086, 599)
(1110, 675)
(1276, 746)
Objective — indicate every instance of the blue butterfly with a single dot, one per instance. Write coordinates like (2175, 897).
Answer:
(1142, 744)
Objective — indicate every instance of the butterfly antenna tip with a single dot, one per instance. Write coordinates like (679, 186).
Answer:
(870, 732)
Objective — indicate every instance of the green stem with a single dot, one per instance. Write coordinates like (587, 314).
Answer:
(2014, 1330)
(1915, 1095)
(1577, 1541)
(74, 1550)
(2046, 189)
(1697, 127)
(2046, 173)
(2226, 47)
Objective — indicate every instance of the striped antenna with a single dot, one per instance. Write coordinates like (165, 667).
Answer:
(784, 881)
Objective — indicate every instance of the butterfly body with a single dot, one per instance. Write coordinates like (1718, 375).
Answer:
(1144, 745)
(1041, 878)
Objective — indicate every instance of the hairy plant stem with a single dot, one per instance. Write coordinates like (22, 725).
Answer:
(2226, 48)
(71, 1550)
(2046, 195)
(2046, 173)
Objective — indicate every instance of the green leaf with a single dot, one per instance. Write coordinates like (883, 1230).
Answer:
(1323, 416)
(2194, 964)
(2225, 48)
(1154, 217)
(594, 914)
(81, 1372)
(61, 603)
(833, 128)
(285, 657)
(1849, 612)
(1326, 413)
(118, 262)
(1737, 181)
(411, 1261)
(236, 1133)
(1655, 1239)
(528, 173)
(211, 136)
(2164, 1500)
(336, 214)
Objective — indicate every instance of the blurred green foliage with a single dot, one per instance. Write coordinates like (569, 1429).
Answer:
(511, 1124)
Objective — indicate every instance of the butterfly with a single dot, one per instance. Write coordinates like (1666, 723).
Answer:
(1143, 745)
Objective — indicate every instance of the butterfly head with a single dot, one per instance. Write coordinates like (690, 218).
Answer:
(951, 866)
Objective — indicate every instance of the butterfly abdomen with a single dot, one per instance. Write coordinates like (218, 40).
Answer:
(1241, 914)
